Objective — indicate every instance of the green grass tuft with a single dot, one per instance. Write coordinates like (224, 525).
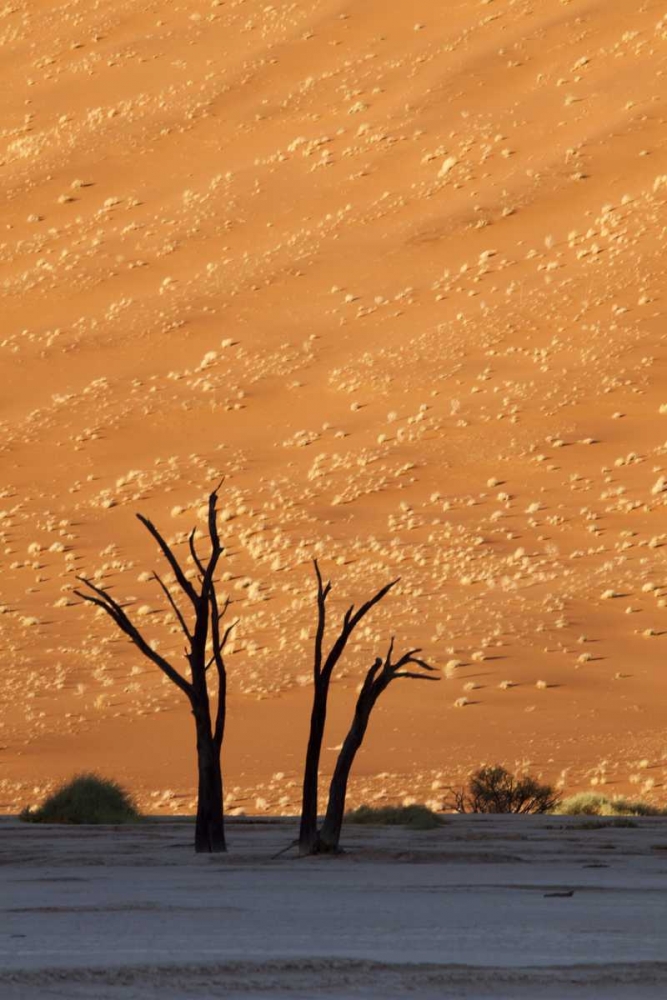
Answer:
(415, 817)
(87, 798)
(594, 804)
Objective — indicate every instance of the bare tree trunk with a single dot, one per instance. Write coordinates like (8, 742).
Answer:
(209, 827)
(329, 836)
(308, 836)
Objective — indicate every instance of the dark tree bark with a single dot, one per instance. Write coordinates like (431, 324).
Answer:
(204, 630)
(308, 826)
(323, 667)
(209, 826)
(378, 679)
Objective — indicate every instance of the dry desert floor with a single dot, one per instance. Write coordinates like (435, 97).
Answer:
(397, 272)
(508, 908)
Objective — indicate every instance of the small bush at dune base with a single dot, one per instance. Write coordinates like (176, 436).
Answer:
(415, 817)
(87, 798)
(594, 804)
(495, 790)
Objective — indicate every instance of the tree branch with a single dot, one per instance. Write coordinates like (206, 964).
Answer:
(365, 608)
(387, 659)
(218, 659)
(174, 607)
(322, 594)
(212, 516)
(193, 552)
(114, 610)
(411, 658)
(351, 619)
(416, 677)
(208, 573)
(183, 581)
(391, 671)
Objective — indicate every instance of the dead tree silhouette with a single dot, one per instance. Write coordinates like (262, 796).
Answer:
(379, 677)
(204, 633)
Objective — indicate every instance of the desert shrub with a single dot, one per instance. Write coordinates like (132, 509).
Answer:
(87, 798)
(415, 817)
(611, 823)
(594, 804)
(495, 790)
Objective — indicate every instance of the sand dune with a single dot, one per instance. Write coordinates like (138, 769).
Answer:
(395, 271)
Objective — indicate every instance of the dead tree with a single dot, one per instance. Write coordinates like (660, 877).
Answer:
(378, 679)
(310, 840)
(204, 633)
(323, 667)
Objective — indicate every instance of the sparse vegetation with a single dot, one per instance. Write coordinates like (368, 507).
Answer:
(613, 823)
(495, 790)
(594, 804)
(415, 817)
(87, 798)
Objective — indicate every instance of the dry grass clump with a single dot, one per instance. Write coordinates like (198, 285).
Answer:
(493, 789)
(592, 804)
(415, 817)
(87, 798)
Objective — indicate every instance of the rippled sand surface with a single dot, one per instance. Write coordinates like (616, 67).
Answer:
(396, 271)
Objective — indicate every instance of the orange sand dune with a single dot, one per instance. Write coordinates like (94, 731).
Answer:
(395, 270)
